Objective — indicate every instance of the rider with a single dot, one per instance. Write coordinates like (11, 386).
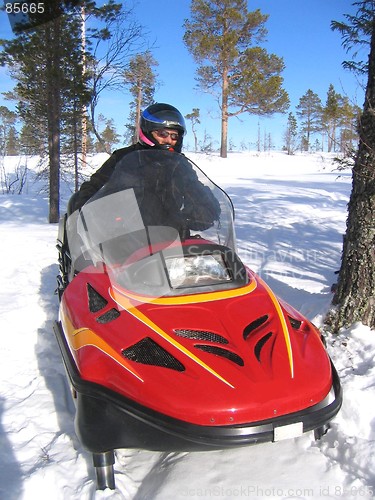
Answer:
(161, 126)
(167, 193)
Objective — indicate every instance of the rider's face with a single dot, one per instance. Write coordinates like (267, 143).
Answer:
(168, 137)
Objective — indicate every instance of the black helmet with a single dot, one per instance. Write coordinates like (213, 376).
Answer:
(159, 116)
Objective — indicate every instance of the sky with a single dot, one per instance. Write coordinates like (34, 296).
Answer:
(298, 31)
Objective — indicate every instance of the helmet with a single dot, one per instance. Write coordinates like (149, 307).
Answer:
(159, 116)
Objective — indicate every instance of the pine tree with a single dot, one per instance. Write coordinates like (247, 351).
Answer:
(309, 110)
(108, 134)
(331, 116)
(355, 295)
(223, 36)
(350, 115)
(57, 77)
(291, 134)
(8, 134)
(141, 79)
(194, 118)
(44, 64)
(30, 142)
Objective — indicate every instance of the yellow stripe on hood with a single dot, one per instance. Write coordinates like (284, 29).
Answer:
(284, 326)
(125, 303)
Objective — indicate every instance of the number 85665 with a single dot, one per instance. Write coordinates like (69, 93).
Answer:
(24, 8)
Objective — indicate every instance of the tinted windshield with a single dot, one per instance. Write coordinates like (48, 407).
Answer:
(155, 202)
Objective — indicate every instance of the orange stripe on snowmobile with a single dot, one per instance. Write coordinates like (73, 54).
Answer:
(188, 299)
(83, 337)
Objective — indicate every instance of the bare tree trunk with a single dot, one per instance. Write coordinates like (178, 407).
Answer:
(224, 116)
(75, 150)
(84, 111)
(355, 295)
(195, 140)
(138, 113)
(53, 117)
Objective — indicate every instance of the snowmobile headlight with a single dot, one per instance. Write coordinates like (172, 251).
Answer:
(197, 270)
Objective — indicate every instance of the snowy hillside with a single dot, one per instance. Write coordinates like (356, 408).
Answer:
(290, 218)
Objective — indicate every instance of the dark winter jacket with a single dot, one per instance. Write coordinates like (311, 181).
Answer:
(167, 190)
(99, 178)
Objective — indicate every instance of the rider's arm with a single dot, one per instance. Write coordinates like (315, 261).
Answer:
(200, 207)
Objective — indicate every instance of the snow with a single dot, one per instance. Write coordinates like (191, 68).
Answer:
(290, 218)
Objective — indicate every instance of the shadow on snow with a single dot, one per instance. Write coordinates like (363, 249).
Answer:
(292, 237)
(51, 367)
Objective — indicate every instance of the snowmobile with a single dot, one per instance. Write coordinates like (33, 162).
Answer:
(169, 341)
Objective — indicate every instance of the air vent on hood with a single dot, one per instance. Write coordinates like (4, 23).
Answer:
(259, 345)
(108, 316)
(251, 327)
(148, 352)
(201, 335)
(96, 301)
(296, 323)
(219, 351)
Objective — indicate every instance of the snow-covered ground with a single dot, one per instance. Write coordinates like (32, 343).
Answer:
(290, 218)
